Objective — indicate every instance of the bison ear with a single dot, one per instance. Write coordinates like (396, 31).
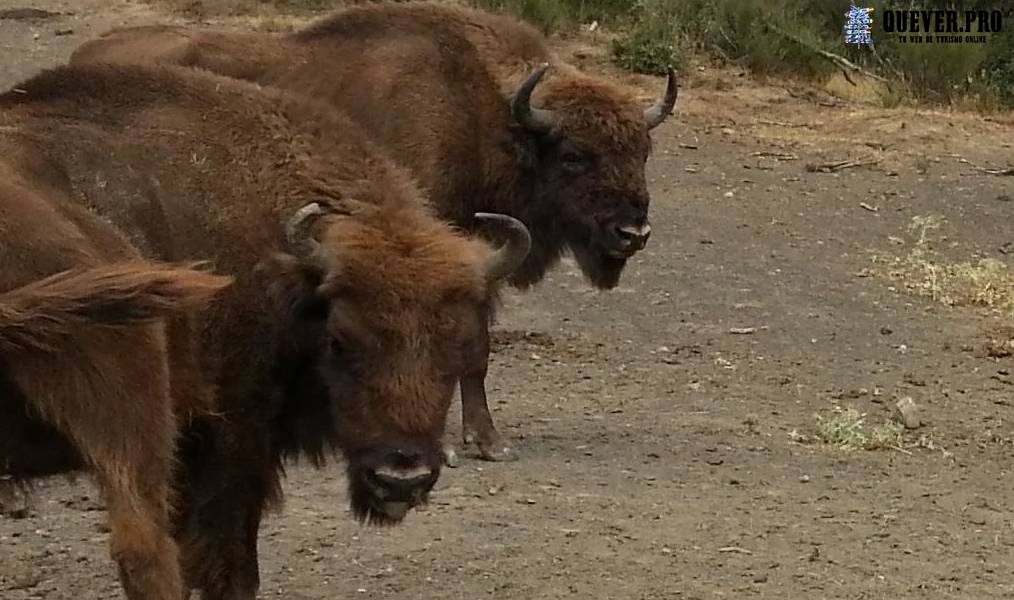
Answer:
(291, 286)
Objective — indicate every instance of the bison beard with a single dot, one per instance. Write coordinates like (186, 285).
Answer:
(380, 499)
(602, 270)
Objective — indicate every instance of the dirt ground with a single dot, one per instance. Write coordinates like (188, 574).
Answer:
(666, 429)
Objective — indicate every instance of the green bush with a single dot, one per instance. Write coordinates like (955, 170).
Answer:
(998, 68)
(746, 32)
(650, 42)
(641, 51)
(770, 37)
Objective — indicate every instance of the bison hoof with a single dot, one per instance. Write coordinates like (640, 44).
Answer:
(491, 447)
(450, 456)
(498, 454)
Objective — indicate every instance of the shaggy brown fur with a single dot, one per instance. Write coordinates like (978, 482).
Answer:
(45, 314)
(354, 345)
(84, 381)
(432, 83)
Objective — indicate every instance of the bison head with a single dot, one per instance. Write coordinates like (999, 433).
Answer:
(392, 308)
(589, 144)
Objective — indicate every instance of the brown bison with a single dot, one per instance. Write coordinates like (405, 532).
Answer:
(84, 371)
(485, 115)
(353, 310)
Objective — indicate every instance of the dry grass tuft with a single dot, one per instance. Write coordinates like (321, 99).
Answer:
(986, 282)
(847, 429)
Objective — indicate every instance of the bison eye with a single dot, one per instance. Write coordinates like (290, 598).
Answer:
(338, 348)
(572, 158)
(574, 162)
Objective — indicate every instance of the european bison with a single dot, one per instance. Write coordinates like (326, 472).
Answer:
(84, 371)
(353, 311)
(463, 98)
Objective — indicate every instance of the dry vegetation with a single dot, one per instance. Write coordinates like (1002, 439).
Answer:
(848, 429)
(986, 282)
(786, 37)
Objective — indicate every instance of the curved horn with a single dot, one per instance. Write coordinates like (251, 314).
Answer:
(509, 257)
(537, 119)
(658, 112)
(296, 229)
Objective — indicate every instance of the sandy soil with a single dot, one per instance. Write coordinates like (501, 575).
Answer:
(663, 455)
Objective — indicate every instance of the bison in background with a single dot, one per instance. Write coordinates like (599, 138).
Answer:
(485, 115)
(353, 312)
(84, 374)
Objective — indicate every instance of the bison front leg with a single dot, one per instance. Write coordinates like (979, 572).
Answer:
(476, 422)
(146, 554)
(220, 550)
(119, 415)
(237, 576)
(224, 490)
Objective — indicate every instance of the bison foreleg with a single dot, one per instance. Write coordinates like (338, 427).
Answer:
(476, 422)
(219, 545)
(227, 483)
(126, 432)
(146, 554)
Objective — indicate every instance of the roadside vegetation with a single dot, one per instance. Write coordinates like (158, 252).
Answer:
(797, 38)
(802, 39)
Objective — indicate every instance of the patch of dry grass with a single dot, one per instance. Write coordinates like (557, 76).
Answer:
(886, 436)
(845, 429)
(986, 282)
(848, 429)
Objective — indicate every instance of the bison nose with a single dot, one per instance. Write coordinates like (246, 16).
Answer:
(405, 483)
(634, 237)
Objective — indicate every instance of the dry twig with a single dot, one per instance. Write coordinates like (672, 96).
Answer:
(735, 549)
(833, 167)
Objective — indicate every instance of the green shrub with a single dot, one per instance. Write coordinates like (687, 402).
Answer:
(998, 68)
(772, 37)
(642, 51)
(650, 42)
(746, 32)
